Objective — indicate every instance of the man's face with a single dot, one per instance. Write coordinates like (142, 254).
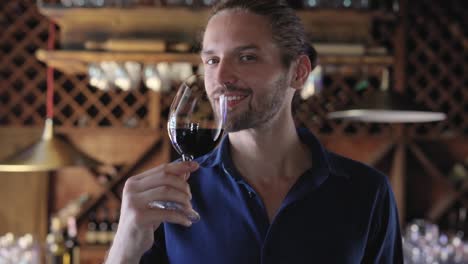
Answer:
(242, 61)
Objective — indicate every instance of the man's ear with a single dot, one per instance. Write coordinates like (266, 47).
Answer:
(301, 72)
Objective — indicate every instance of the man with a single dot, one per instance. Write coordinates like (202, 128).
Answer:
(269, 193)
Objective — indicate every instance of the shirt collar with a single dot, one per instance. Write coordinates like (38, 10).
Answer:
(323, 160)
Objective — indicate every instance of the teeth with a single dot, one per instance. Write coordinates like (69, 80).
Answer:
(233, 98)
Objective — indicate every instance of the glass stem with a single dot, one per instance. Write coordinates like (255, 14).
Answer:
(187, 157)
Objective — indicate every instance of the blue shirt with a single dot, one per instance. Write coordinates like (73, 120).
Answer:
(338, 211)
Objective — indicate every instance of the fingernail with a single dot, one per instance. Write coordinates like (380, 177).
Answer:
(188, 223)
(193, 216)
(193, 165)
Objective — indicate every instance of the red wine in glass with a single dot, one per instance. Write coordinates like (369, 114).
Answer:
(195, 142)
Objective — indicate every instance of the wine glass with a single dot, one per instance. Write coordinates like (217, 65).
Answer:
(195, 127)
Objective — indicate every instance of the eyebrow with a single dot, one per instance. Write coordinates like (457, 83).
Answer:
(236, 50)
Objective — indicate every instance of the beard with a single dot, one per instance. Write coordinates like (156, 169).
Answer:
(259, 114)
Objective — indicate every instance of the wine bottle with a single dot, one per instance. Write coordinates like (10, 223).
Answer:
(395, 6)
(458, 174)
(375, 4)
(55, 243)
(72, 247)
(385, 5)
(113, 226)
(461, 222)
(103, 228)
(104, 179)
(91, 232)
(73, 207)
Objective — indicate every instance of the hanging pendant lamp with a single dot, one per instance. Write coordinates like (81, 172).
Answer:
(385, 106)
(51, 152)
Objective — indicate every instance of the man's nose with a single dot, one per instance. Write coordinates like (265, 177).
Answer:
(226, 73)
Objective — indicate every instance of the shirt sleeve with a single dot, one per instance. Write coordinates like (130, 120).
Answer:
(385, 242)
(157, 253)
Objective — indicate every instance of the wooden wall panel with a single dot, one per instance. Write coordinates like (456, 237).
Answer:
(365, 149)
(24, 203)
(23, 196)
(112, 147)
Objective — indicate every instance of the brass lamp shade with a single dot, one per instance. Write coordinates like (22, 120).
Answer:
(383, 106)
(50, 153)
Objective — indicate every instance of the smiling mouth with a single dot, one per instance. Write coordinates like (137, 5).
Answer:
(234, 100)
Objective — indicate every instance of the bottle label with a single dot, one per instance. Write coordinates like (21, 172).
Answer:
(102, 237)
(110, 236)
(66, 258)
(90, 237)
(76, 255)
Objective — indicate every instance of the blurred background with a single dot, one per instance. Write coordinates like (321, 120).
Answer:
(103, 74)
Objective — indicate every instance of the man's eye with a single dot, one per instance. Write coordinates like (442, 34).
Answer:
(248, 58)
(211, 61)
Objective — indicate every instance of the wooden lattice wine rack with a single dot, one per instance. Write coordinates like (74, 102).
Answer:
(432, 35)
(436, 63)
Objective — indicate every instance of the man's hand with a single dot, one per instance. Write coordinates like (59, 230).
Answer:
(138, 220)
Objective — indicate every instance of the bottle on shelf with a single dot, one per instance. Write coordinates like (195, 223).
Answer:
(73, 207)
(208, 2)
(105, 174)
(385, 5)
(396, 6)
(103, 227)
(113, 226)
(55, 243)
(312, 4)
(458, 174)
(364, 4)
(104, 179)
(461, 222)
(349, 4)
(92, 229)
(72, 247)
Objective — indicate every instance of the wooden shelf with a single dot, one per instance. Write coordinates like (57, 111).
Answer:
(185, 24)
(356, 60)
(78, 25)
(73, 62)
(58, 11)
(77, 61)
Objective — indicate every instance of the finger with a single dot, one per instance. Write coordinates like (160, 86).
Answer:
(151, 171)
(181, 168)
(156, 215)
(165, 193)
(177, 168)
(163, 180)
